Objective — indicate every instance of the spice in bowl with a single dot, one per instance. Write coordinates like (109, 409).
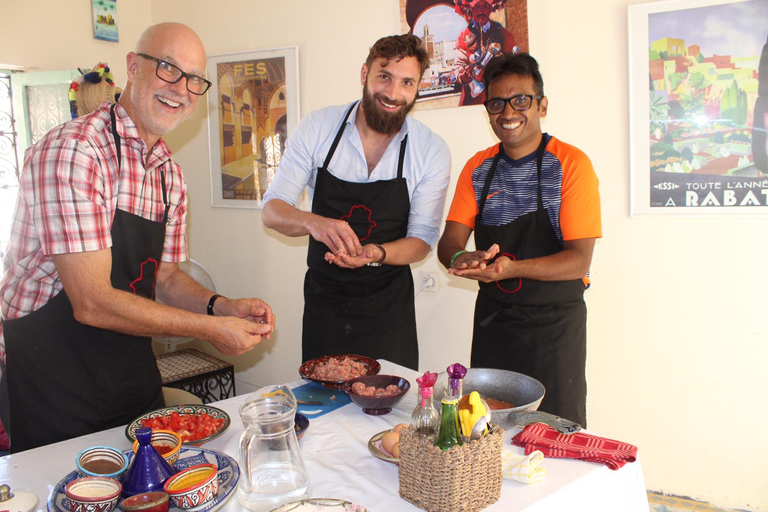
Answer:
(93, 494)
(194, 486)
(101, 461)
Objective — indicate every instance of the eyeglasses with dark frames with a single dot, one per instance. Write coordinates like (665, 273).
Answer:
(518, 102)
(171, 73)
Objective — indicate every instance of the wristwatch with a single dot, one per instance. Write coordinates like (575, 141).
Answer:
(209, 309)
(381, 260)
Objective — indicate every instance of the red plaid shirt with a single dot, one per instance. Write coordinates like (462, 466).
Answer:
(69, 190)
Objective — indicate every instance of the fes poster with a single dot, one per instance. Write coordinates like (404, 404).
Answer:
(707, 81)
(461, 36)
(105, 20)
(253, 106)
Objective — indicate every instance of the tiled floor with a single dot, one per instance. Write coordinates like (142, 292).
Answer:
(666, 503)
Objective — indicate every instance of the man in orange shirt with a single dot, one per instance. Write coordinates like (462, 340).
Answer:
(534, 206)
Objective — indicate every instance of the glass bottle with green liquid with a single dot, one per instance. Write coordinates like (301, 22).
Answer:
(449, 436)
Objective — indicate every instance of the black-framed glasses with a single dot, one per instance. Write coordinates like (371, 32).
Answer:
(519, 102)
(170, 73)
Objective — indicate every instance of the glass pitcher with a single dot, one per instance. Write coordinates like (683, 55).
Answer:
(272, 470)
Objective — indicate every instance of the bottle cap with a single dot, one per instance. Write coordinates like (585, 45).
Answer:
(427, 380)
(456, 372)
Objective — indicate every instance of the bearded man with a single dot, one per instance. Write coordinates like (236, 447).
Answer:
(378, 180)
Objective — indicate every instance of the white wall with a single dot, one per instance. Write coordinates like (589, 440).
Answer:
(676, 330)
(49, 35)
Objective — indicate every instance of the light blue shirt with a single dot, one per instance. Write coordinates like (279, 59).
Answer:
(426, 168)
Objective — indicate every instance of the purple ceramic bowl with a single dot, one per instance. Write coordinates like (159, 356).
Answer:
(381, 404)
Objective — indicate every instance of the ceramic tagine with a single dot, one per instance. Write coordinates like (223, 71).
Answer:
(148, 470)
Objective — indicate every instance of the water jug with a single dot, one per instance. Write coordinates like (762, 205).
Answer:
(272, 470)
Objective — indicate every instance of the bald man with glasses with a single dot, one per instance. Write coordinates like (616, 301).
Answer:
(533, 204)
(99, 230)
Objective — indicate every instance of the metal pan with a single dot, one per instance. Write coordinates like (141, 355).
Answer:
(523, 392)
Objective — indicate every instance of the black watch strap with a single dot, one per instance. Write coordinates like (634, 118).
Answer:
(210, 303)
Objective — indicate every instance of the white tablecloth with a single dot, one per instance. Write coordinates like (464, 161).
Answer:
(335, 451)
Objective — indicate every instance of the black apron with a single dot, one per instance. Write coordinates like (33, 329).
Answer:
(66, 379)
(533, 327)
(369, 310)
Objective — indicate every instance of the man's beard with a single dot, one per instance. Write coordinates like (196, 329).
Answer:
(380, 121)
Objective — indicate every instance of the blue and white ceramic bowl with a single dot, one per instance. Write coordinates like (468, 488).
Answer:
(101, 461)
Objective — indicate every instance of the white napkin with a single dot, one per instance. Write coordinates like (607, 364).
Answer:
(523, 468)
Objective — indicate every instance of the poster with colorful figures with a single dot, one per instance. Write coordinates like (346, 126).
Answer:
(461, 37)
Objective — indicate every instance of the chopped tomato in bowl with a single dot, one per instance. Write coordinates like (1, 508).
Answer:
(196, 424)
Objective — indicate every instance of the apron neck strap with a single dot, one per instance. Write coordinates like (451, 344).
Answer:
(118, 150)
(337, 139)
(115, 135)
(401, 159)
(488, 180)
(539, 160)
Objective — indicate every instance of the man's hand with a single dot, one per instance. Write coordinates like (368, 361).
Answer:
(252, 309)
(485, 272)
(237, 335)
(336, 234)
(571, 263)
(290, 221)
(473, 260)
(368, 254)
(244, 323)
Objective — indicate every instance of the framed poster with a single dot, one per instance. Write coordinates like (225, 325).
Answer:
(105, 20)
(252, 107)
(698, 83)
(461, 36)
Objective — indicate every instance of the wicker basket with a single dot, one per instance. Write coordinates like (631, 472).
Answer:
(465, 478)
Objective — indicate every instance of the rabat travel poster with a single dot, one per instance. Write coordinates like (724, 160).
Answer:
(699, 96)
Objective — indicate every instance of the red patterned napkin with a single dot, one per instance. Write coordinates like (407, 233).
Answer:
(579, 445)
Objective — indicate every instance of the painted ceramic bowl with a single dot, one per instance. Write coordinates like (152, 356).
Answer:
(376, 405)
(197, 424)
(146, 502)
(167, 443)
(93, 494)
(101, 461)
(193, 487)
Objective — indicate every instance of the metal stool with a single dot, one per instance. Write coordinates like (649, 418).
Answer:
(201, 374)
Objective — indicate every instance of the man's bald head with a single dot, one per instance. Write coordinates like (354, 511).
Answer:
(162, 34)
(153, 103)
